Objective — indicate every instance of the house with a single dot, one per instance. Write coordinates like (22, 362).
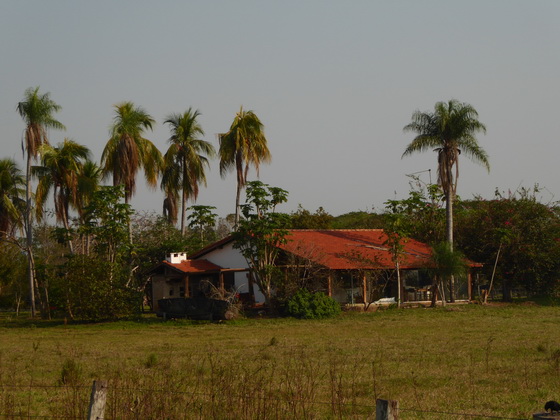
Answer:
(351, 265)
(178, 276)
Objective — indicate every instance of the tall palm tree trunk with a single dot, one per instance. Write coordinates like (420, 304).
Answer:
(126, 201)
(240, 184)
(183, 210)
(184, 200)
(67, 227)
(237, 203)
(29, 238)
(449, 224)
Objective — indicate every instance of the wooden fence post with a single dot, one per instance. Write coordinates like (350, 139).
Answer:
(387, 410)
(97, 400)
(546, 416)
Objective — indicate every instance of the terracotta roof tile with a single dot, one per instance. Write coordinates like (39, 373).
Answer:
(194, 266)
(345, 249)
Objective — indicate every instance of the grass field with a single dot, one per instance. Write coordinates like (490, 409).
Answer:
(501, 361)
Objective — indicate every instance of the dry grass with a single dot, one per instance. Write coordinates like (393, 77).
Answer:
(493, 361)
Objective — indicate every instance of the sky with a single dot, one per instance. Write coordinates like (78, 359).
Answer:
(334, 83)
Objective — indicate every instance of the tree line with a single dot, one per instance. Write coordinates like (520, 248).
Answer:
(67, 172)
(106, 239)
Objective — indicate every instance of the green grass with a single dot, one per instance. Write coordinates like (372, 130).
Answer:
(495, 360)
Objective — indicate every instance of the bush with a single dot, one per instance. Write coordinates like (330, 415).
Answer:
(307, 305)
(71, 373)
(93, 289)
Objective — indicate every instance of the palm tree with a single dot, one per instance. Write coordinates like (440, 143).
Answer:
(447, 263)
(450, 130)
(171, 185)
(243, 145)
(12, 191)
(170, 210)
(89, 180)
(127, 151)
(61, 166)
(37, 111)
(185, 160)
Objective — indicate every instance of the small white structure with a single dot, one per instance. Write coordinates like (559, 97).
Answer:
(176, 257)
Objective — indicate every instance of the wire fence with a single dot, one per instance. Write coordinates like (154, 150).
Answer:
(137, 403)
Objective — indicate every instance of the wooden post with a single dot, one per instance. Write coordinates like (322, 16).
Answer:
(387, 410)
(97, 400)
(548, 416)
(251, 287)
(364, 290)
(329, 284)
(187, 286)
(469, 285)
(222, 287)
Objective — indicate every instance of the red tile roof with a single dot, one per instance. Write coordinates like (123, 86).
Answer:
(194, 266)
(346, 249)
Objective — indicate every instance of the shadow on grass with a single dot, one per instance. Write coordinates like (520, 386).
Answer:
(24, 320)
(539, 301)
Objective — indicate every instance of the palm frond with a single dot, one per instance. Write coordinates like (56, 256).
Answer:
(37, 111)
(127, 151)
(450, 129)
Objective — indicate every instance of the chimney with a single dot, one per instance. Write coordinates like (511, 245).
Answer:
(176, 257)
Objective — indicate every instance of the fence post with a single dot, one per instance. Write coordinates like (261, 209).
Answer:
(387, 410)
(97, 400)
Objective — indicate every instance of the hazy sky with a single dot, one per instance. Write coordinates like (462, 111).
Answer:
(334, 83)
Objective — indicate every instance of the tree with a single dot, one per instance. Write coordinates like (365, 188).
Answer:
(170, 210)
(12, 275)
(12, 203)
(304, 219)
(446, 263)
(450, 130)
(92, 288)
(106, 220)
(186, 159)
(89, 178)
(524, 230)
(37, 110)
(127, 151)
(422, 210)
(261, 232)
(396, 228)
(12, 206)
(202, 218)
(60, 171)
(357, 220)
(243, 145)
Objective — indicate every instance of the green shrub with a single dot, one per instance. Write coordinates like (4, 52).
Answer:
(307, 305)
(93, 289)
(151, 361)
(70, 373)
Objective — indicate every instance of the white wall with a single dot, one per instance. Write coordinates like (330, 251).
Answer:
(229, 257)
(226, 257)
